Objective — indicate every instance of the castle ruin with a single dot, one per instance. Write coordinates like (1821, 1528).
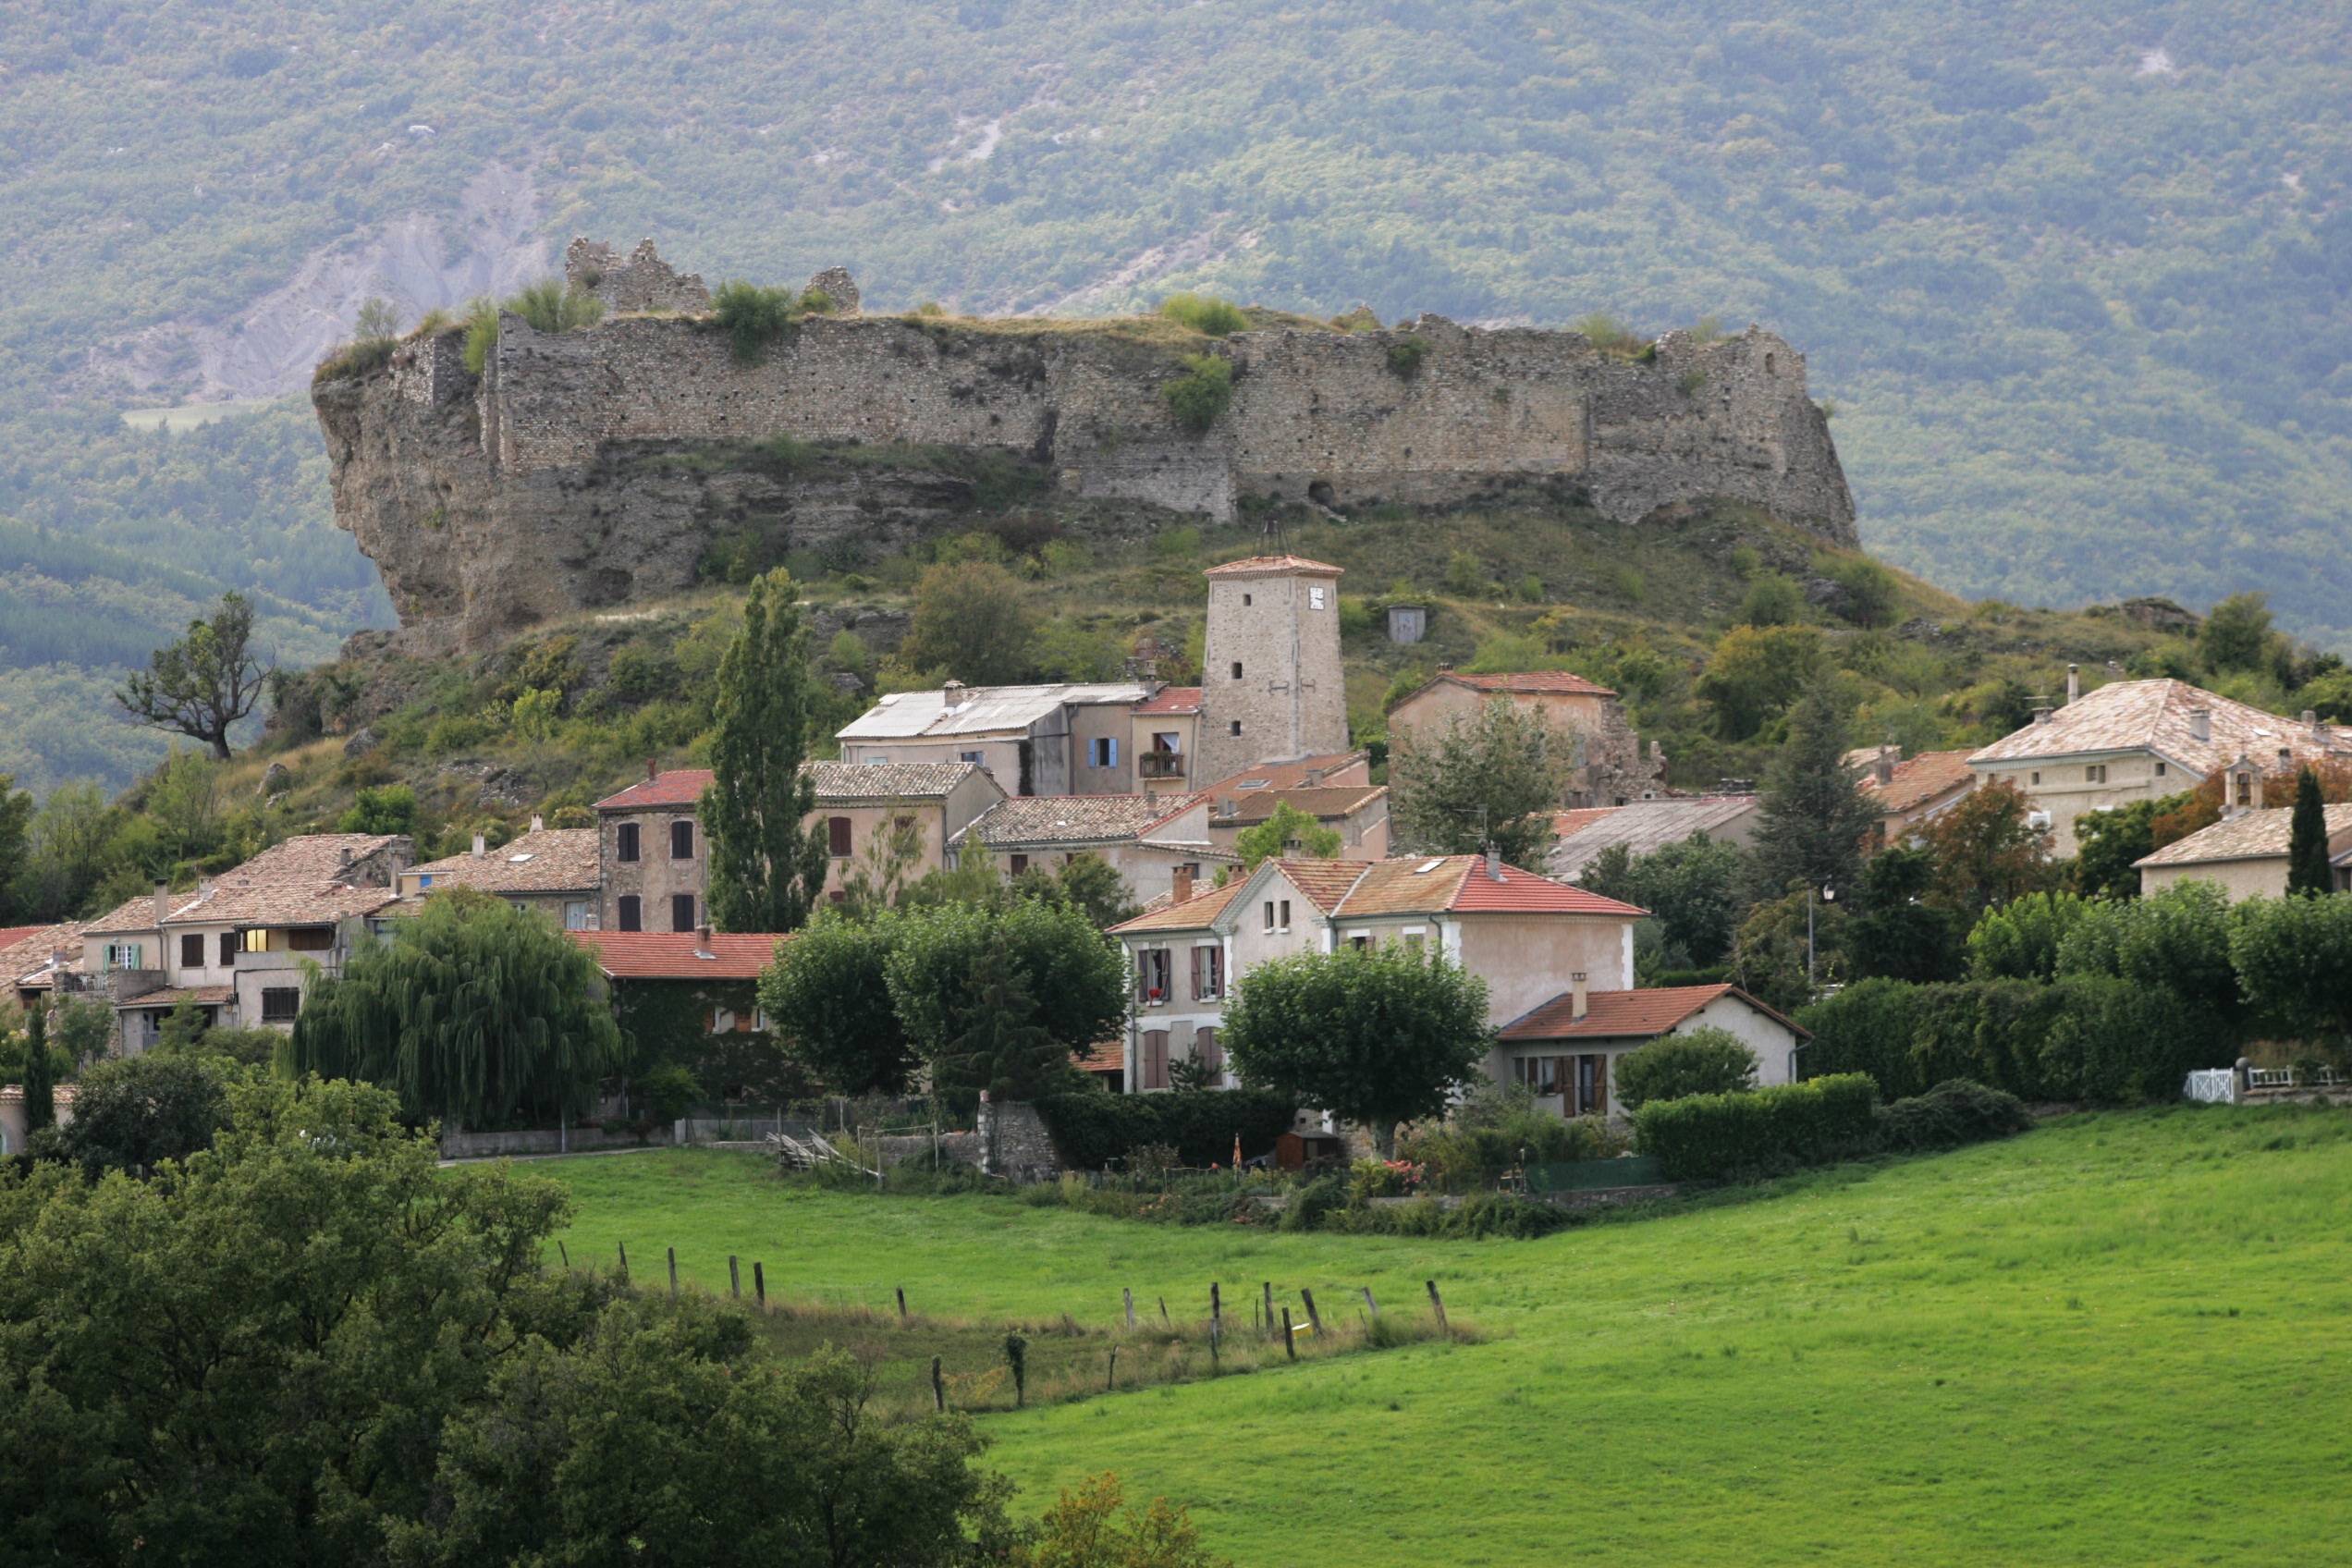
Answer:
(597, 466)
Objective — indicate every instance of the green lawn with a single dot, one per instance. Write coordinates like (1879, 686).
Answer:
(2117, 1339)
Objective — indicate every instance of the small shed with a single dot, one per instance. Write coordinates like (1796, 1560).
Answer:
(1297, 1149)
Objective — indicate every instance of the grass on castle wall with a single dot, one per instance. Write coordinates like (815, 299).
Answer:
(2120, 1339)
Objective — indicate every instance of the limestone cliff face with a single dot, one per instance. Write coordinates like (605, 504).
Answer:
(603, 465)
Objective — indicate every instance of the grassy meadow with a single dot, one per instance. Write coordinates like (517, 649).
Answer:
(2120, 1339)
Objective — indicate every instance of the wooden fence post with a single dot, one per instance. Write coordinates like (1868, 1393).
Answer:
(939, 1387)
(1368, 1302)
(1439, 1302)
(1165, 1321)
(759, 1284)
(1216, 1311)
(1270, 1308)
(564, 1253)
(1314, 1318)
(624, 1263)
(1130, 1297)
(734, 1278)
(673, 1273)
(1289, 1342)
(902, 1315)
(1111, 1381)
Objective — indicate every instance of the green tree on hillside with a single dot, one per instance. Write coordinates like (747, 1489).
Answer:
(2236, 634)
(1987, 849)
(473, 1011)
(1060, 975)
(201, 685)
(768, 858)
(1754, 673)
(1379, 1036)
(1692, 888)
(2308, 870)
(973, 620)
(1812, 821)
(1492, 779)
(15, 851)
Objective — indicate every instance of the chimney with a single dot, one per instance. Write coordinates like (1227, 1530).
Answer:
(1889, 754)
(1578, 1001)
(1315, 778)
(163, 902)
(2074, 684)
(481, 846)
(2041, 713)
(1494, 864)
(2201, 723)
(537, 822)
(653, 768)
(2312, 722)
(702, 940)
(1445, 670)
(1227, 806)
(1180, 888)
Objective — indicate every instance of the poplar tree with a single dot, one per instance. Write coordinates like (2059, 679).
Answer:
(40, 1092)
(766, 855)
(2307, 842)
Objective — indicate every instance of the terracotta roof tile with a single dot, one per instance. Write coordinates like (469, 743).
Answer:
(1066, 819)
(1919, 780)
(171, 996)
(1161, 914)
(1291, 775)
(1433, 883)
(2154, 715)
(1329, 803)
(1528, 682)
(844, 783)
(1325, 882)
(1626, 1014)
(552, 860)
(11, 934)
(32, 947)
(2254, 835)
(1250, 566)
(679, 955)
(1103, 1056)
(1172, 699)
(299, 882)
(678, 786)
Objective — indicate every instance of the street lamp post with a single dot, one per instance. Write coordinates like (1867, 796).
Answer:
(1829, 896)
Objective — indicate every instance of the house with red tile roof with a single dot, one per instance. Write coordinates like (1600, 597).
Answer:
(1566, 1052)
(1526, 935)
(1609, 768)
(1149, 839)
(550, 871)
(1164, 740)
(691, 998)
(1907, 791)
(652, 858)
(1357, 813)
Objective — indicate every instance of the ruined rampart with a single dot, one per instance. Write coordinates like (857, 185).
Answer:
(597, 466)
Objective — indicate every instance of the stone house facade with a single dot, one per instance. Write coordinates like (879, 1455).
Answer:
(2245, 853)
(1607, 768)
(1271, 685)
(552, 871)
(857, 803)
(1151, 840)
(652, 860)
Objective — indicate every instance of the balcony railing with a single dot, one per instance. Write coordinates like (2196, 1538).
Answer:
(1160, 765)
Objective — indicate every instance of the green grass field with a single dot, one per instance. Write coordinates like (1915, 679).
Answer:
(2116, 1340)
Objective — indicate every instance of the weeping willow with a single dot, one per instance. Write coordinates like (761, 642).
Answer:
(474, 1012)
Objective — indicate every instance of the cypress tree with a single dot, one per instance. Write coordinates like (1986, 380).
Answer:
(767, 857)
(1811, 822)
(2307, 842)
(40, 1094)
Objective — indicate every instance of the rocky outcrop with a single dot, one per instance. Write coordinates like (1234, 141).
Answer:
(619, 462)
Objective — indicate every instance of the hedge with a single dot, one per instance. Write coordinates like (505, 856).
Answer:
(1705, 1136)
(2083, 1037)
(1093, 1132)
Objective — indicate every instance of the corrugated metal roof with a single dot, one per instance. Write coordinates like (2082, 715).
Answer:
(2154, 715)
(1644, 827)
(981, 710)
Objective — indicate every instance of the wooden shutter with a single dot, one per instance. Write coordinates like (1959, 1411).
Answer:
(1155, 1059)
(839, 840)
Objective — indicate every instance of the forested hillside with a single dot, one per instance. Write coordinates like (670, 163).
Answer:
(2076, 276)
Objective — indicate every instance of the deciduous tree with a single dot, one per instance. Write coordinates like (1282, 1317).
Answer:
(1073, 980)
(827, 996)
(1987, 851)
(1274, 837)
(1379, 1036)
(16, 894)
(1492, 779)
(971, 618)
(1692, 888)
(768, 858)
(472, 1012)
(2293, 957)
(201, 685)
(1899, 934)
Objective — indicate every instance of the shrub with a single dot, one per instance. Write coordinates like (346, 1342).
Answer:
(135, 1112)
(1215, 317)
(754, 317)
(667, 1092)
(482, 332)
(1092, 1130)
(1203, 393)
(1609, 335)
(1313, 1203)
(1955, 1111)
(549, 306)
(1712, 1136)
(1406, 356)
(1704, 1061)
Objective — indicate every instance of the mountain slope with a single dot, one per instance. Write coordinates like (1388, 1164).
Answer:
(2076, 275)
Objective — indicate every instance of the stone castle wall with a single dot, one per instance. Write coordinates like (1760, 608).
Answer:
(541, 488)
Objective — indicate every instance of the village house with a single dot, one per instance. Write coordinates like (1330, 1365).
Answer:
(935, 802)
(691, 998)
(550, 871)
(1567, 1050)
(1165, 740)
(1064, 738)
(242, 946)
(2142, 740)
(1646, 826)
(1907, 791)
(1608, 766)
(1149, 839)
(1526, 935)
(2245, 853)
(38, 962)
(1357, 813)
(652, 861)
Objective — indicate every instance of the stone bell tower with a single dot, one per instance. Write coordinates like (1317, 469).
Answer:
(1271, 688)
